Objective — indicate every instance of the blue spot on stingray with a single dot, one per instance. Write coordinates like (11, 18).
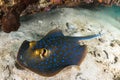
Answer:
(54, 59)
(63, 60)
(49, 66)
(54, 54)
(60, 52)
(46, 63)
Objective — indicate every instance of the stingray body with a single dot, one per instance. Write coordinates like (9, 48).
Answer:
(52, 53)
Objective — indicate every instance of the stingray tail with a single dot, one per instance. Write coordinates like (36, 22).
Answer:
(88, 37)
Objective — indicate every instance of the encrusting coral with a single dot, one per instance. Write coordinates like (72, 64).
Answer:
(11, 10)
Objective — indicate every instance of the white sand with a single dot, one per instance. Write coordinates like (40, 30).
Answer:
(102, 61)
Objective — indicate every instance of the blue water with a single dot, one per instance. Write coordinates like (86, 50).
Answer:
(111, 15)
(113, 11)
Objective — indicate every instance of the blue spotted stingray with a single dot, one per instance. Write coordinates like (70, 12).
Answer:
(52, 53)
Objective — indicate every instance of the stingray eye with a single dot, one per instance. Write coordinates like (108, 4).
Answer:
(44, 53)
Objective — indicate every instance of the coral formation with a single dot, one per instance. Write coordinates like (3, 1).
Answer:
(11, 13)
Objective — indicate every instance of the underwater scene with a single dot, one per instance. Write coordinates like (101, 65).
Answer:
(60, 40)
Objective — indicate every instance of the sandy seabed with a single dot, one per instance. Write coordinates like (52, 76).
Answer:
(103, 57)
